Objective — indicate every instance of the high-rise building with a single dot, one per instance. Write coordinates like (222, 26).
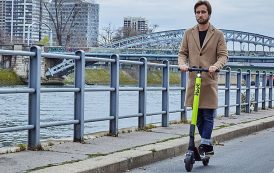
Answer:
(23, 21)
(82, 30)
(2, 19)
(138, 24)
(28, 21)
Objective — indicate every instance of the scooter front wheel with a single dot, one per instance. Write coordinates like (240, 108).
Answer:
(188, 164)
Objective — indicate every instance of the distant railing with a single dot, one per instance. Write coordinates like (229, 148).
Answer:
(34, 90)
(64, 68)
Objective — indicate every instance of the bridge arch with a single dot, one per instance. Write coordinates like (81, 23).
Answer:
(172, 38)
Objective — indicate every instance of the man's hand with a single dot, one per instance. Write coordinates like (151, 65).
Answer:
(183, 68)
(212, 69)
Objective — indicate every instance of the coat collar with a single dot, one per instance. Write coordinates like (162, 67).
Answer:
(195, 33)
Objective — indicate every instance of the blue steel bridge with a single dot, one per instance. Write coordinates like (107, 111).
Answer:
(172, 38)
(245, 49)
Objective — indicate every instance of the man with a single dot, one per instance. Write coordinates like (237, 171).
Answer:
(203, 46)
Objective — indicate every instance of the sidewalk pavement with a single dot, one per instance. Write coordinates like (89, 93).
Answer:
(131, 149)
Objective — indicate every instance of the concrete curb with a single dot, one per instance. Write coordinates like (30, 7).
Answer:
(140, 156)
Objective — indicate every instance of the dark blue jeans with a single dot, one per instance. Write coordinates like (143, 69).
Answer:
(205, 121)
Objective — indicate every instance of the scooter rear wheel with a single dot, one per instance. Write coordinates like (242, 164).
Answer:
(205, 162)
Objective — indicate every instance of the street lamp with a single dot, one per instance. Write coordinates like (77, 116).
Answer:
(29, 33)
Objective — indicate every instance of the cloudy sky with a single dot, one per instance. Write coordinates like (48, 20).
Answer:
(256, 16)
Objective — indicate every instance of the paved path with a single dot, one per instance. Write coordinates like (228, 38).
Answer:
(253, 153)
(129, 150)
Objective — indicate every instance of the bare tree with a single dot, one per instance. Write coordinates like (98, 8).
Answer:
(125, 32)
(2, 36)
(62, 20)
(6, 38)
(107, 35)
(129, 32)
(119, 34)
(152, 28)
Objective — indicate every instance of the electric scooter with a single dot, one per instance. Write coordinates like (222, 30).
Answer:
(193, 154)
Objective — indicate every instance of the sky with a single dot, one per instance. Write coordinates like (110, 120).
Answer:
(255, 16)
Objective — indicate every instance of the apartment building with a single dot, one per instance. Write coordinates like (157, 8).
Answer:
(23, 21)
(138, 24)
(85, 30)
(27, 21)
(2, 19)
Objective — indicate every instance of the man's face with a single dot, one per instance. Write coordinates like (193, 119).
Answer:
(202, 15)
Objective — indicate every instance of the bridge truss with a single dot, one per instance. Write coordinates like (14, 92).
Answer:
(166, 44)
(171, 40)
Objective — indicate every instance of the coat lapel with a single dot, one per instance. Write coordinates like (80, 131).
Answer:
(195, 34)
(209, 34)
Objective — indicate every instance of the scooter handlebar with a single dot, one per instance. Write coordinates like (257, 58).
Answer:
(192, 69)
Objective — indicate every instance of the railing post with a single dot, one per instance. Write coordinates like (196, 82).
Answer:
(79, 82)
(270, 90)
(114, 95)
(183, 96)
(34, 98)
(143, 93)
(227, 91)
(165, 94)
(239, 91)
(257, 90)
(263, 90)
(248, 85)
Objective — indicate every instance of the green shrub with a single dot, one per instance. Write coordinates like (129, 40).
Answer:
(9, 77)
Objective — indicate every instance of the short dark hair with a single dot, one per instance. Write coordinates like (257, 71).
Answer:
(203, 2)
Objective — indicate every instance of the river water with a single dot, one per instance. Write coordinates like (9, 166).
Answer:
(59, 107)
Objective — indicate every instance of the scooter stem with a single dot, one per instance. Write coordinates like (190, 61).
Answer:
(197, 89)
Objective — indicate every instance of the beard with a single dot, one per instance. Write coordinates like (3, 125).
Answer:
(202, 21)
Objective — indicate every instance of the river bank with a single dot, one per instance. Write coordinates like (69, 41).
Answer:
(127, 77)
(93, 77)
(101, 77)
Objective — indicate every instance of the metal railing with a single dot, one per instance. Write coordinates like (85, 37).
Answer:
(34, 90)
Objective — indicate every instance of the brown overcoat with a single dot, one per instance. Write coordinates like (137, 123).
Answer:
(213, 52)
